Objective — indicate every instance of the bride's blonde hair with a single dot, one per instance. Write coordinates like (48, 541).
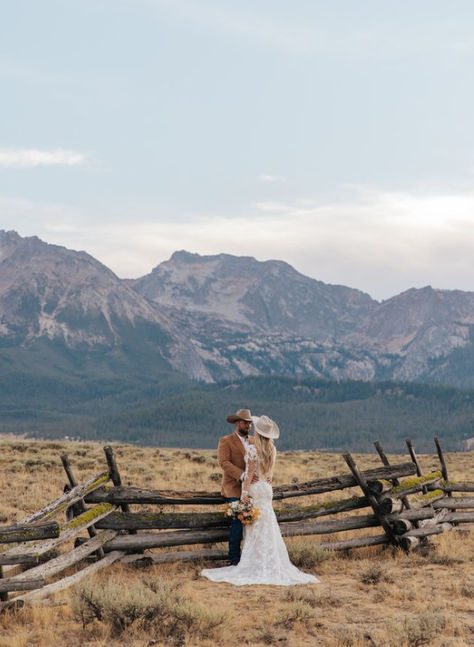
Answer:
(266, 453)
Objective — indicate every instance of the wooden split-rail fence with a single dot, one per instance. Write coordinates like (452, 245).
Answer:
(405, 504)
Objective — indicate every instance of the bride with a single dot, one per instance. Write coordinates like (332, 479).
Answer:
(264, 557)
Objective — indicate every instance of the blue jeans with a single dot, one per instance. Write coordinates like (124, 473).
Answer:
(235, 536)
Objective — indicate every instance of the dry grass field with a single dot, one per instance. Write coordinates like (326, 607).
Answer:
(370, 597)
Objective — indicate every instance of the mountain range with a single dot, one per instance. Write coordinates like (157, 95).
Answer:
(220, 318)
(164, 358)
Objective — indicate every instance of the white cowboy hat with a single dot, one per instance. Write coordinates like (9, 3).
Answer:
(265, 426)
(241, 414)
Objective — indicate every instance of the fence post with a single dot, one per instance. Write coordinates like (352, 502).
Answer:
(115, 476)
(414, 458)
(371, 499)
(444, 470)
(394, 481)
(81, 506)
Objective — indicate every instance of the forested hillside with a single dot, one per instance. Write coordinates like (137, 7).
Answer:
(172, 411)
(312, 414)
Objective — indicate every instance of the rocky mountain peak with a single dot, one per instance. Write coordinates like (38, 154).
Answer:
(9, 236)
(227, 263)
(64, 296)
(264, 295)
(223, 316)
(182, 256)
(9, 241)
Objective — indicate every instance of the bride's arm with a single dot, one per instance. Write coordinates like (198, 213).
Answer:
(248, 480)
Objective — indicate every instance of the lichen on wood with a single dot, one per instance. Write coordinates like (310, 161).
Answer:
(88, 516)
(427, 498)
(414, 482)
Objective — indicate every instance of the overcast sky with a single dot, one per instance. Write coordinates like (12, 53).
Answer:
(335, 135)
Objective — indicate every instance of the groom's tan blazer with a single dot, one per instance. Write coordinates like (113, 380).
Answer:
(231, 458)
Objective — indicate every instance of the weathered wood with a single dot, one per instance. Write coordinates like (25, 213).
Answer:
(67, 499)
(414, 458)
(408, 543)
(414, 514)
(128, 494)
(400, 526)
(321, 509)
(456, 503)
(425, 532)
(115, 476)
(372, 500)
(395, 482)
(414, 484)
(78, 524)
(359, 542)
(444, 470)
(457, 487)
(330, 526)
(389, 506)
(27, 559)
(383, 457)
(459, 517)
(424, 500)
(380, 487)
(112, 465)
(68, 531)
(26, 584)
(69, 471)
(186, 537)
(64, 583)
(318, 486)
(28, 531)
(438, 518)
(58, 564)
(114, 473)
(163, 521)
(81, 505)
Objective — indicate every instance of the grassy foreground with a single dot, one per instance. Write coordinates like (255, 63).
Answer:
(376, 597)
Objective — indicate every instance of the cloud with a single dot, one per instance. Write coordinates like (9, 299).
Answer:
(272, 179)
(20, 158)
(378, 241)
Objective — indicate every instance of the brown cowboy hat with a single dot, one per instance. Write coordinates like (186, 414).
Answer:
(241, 414)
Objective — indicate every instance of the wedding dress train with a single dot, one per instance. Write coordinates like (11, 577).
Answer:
(264, 557)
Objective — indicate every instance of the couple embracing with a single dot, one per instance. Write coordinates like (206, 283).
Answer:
(247, 464)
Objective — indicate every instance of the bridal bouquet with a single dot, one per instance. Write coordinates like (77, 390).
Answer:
(246, 512)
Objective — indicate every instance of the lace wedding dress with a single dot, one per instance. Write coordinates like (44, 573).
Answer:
(264, 557)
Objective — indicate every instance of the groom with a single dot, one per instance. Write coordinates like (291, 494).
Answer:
(231, 457)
